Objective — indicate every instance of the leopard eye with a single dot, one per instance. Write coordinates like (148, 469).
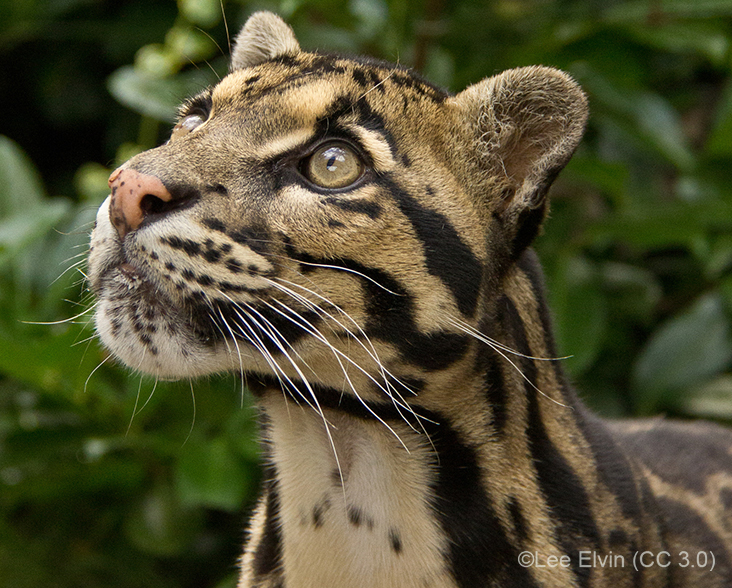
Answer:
(186, 125)
(333, 165)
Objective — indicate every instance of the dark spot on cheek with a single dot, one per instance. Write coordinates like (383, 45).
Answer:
(233, 266)
(214, 224)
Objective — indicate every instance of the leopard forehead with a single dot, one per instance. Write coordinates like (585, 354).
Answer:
(360, 75)
(294, 95)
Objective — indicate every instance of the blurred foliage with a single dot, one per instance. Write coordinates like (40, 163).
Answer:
(109, 479)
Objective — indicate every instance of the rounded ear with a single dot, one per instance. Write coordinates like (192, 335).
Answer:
(524, 125)
(264, 36)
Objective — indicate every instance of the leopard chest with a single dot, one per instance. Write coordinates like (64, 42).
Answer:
(352, 503)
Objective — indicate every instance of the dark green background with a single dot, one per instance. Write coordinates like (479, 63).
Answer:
(108, 479)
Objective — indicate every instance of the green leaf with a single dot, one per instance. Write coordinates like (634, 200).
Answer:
(641, 10)
(20, 183)
(190, 45)
(697, 8)
(705, 38)
(673, 224)
(210, 474)
(149, 95)
(205, 13)
(713, 400)
(580, 311)
(684, 352)
(720, 139)
(159, 524)
(24, 228)
(647, 114)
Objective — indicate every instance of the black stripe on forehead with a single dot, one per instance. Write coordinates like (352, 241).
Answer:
(367, 73)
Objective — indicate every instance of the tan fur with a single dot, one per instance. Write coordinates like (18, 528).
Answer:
(418, 428)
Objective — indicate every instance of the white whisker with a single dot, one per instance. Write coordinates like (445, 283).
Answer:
(503, 351)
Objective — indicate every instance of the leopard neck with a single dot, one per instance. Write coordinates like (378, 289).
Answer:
(448, 498)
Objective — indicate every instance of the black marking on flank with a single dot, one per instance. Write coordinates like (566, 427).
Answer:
(725, 495)
(617, 538)
(667, 450)
(692, 530)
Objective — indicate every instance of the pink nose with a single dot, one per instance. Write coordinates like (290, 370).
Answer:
(133, 194)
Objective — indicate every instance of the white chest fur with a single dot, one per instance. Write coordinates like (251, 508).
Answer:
(362, 519)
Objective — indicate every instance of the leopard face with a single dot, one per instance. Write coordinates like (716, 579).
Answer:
(315, 218)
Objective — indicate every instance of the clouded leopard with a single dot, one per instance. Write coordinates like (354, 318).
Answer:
(354, 241)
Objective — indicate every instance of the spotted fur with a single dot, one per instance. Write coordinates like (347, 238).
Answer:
(419, 431)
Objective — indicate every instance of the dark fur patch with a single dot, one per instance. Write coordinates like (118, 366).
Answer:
(395, 541)
(268, 554)
(446, 254)
(370, 209)
(562, 488)
(479, 552)
(520, 526)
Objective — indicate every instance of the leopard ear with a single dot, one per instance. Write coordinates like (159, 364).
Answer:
(264, 36)
(524, 124)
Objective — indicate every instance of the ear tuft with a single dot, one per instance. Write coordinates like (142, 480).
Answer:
(264, 36)
(525, 124)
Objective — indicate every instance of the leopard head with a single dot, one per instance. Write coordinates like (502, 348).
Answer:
(316, 218)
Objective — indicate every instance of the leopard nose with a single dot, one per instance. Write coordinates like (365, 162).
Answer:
(134, 195)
